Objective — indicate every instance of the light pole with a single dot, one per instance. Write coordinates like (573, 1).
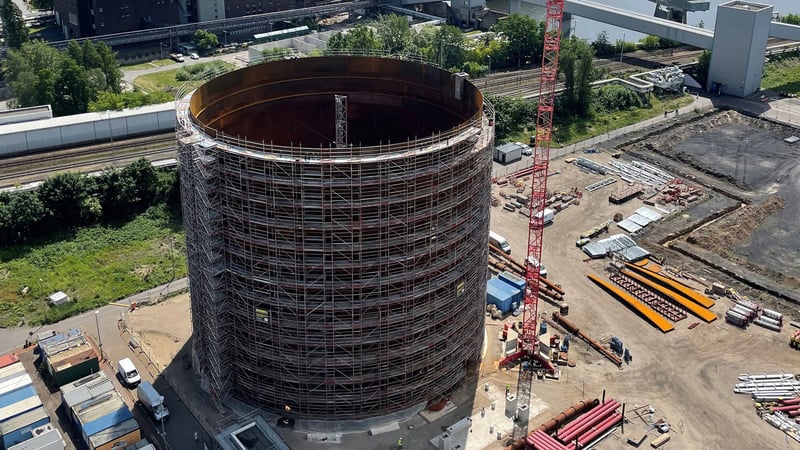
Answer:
(489, 58)
(171, 257)
(621, 47)
(161, 50)
(99, 339)
(225, 35)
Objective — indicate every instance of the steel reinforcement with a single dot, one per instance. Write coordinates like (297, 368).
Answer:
(337, 215)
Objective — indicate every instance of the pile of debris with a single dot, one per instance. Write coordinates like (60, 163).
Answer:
(680, 194)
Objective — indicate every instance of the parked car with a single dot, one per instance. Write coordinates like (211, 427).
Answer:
(194, 56)
(128, 373)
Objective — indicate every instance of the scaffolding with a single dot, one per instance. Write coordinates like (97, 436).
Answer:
(343, 282)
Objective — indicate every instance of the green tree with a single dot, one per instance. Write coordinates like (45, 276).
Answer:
(75, 51)
(792, 19)
(512, 116)
(359, 38)
(42, 4)
(146, 181)
(650, 42)
(91, 57)
(22, 212)
(205, 40)
(64, 198)
(31, 72)
(701, 69)
(602, 46)
(14, 29)
(110, 66)
(117, 193)
(575, 62)
(111, 101)
(448, 47)
(525, 38)
(395, 34)
(73, 91)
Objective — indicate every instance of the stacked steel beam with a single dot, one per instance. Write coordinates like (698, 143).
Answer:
(650, 297)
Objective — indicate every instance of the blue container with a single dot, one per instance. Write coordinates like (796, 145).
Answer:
(513, 280)
(17, 395)
(501, 294)
(542, 328)
(18, 429)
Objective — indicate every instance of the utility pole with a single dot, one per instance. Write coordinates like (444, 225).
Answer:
(172, 257)
(621, 47)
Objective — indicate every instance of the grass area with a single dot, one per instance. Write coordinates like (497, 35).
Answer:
(782, 75)
(165, 79)
(602, 123)
(150, 65)
(94, 266)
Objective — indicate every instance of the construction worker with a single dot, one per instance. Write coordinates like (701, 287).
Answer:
(400, 443)
(508, 388)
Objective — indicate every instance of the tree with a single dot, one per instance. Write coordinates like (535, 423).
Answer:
(602, 46)
(91, 57)
(75, 51)
(14, 29)
(525, 38)
(117, 193)
(448, 47)
(359, 38)
(650, 42)
(64, 197)
(42, 4)
(111, 101)
(31, 72)
(205, 40)
(20, 214)
(110, 66)
(512, 116)
(395, 34)
(701, 69)
(792, 19)
(575, 62)
(145, 179)
(72, 92)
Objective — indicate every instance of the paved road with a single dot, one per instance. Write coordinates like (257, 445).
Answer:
(237, 58)
(182, 425)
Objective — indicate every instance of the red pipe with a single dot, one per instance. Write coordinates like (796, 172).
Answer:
(794, 413)
(540, 442)
(594, 420)
(596, 417)
(552, 424)
(548, 441)
(600, 429)
(582, 418)
(791, 401)
(783, 408)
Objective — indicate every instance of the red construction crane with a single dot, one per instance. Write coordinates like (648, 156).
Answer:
(528, 340)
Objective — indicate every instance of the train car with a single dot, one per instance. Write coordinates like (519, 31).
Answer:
(84, 129)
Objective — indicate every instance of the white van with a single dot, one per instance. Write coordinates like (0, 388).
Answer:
(499, 241)
(128, 373)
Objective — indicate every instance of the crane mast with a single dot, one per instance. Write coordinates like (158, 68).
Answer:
(528, 340)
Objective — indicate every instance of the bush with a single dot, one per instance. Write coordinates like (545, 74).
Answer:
(613, 97)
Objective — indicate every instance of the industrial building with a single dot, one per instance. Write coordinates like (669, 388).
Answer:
(23, 418)
(337, 218)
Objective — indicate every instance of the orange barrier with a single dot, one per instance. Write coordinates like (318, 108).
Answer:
(681, 289)
(692, 307)
(643, 262)
(651, 316)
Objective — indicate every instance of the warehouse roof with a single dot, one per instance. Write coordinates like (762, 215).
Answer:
(619, 244)
(508, 148)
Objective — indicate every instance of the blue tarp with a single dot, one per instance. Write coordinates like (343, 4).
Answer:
(107, 421)
(18, 395)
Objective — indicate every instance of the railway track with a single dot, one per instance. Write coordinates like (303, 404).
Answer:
(120, 148)
(40, 173)
(524, 83)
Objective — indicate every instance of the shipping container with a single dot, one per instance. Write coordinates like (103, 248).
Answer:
(20, 407)
(103, 413)
(85, 389)
(45, 437)
(117, 436)
(500, 294)
(11, 371)
(18, 429)
(659, 441)
(7, 360)
(513, 280)
(144, 444)
(14, 383)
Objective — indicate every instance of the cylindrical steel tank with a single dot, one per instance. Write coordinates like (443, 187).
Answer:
(336, 279)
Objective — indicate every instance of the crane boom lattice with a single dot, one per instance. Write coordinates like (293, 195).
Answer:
(529, 345)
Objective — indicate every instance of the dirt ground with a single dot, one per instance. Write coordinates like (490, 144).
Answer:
(686, 375)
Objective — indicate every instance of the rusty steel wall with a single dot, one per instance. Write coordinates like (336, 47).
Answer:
(338, 282)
